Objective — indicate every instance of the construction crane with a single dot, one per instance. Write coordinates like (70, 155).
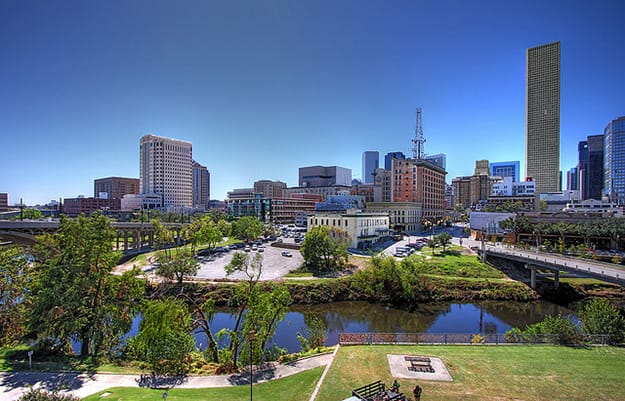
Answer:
(418, 142)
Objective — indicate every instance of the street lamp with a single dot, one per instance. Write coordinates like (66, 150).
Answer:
(251, 336)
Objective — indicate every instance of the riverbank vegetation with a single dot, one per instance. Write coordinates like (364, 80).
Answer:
(484, 373)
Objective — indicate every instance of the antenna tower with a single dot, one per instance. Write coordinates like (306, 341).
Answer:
(418, 143)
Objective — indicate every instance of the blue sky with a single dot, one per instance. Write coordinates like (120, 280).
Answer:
(262, 88)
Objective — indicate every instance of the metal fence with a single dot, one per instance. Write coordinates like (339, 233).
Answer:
(461, 338)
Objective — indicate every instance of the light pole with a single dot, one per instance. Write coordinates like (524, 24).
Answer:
(251, 335)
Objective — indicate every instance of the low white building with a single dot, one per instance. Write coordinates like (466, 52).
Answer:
(505, 186)
(134, 202)
(363, 228)
(594, 206)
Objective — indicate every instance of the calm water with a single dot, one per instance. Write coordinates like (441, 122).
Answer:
(359, 317)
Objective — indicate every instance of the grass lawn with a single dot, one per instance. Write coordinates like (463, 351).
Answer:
(298, 387)
(489, 372)
(455, 265)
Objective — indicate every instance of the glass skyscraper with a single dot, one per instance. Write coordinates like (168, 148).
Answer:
(506, 169)
(370, 161)
(614, 161)
(543, 117)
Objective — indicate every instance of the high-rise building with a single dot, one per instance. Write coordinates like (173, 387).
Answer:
(388, 159)
(572, 182)
(320, 176)
(370, 161)
(506, 169)
(201, 186)
(614, 160)
(590, 168)
(115, 187)
(166, 169)
(543, 117)
(439, 159)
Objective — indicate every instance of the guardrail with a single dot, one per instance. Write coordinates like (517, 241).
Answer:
(462, 338)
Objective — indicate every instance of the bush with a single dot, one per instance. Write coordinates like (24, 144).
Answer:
(557, 329)
(42, 395)
(600, 317)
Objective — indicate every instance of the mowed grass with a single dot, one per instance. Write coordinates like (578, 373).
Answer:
(291, 388)
(489, 372)
(455, 265)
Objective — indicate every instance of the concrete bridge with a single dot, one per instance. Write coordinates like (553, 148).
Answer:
(556, 263)
(131, 236)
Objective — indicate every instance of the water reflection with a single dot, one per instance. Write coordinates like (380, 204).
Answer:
(489, 317)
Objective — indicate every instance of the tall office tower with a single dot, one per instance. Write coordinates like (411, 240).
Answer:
(614, 160)
(115, 187)
(166, 169)
(590, 168)
(506, 169)
(370, 161)
(388, 159)
(320, 176)
(270, 189)
(572, 182)
(542, 139)
(201, 186)
(439, 159)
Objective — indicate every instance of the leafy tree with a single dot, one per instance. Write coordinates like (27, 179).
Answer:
(599, 316)
(224, 227)
(444, 240)
(204, 231)
(30, 214)
(164, 339)
(16, 274)
(176, 264)
(559, 329)
(201, 315)
(75, 296)
(387, 280)
(251, 267)
(247, 228)
(325, 249)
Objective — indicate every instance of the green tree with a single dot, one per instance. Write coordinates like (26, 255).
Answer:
(202, 315)
(16, 275)
(558, 329)
(75, 296)
(600, 316)
(247, 228)
(204, 231)
(164, 339)
(444, 240)
(30, 214)
(325, 249)
(176, 264)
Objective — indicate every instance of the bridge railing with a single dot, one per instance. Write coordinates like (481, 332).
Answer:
(464, 338)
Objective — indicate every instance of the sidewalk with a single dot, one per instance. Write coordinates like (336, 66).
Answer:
(14, 384)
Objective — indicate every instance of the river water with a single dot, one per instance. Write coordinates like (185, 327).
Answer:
(488, 317)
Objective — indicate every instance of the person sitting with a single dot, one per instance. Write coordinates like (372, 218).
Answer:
(395, 386)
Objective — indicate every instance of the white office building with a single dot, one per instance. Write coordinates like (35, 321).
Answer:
(166, 169)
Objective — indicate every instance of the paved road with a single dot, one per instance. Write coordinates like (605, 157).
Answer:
(14, 384)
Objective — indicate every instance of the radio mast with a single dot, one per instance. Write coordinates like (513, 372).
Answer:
(418, 143)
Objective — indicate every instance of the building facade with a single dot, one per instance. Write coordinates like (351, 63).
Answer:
(422, 182)
(363, 228)
(590, 167)
(324, 192)
(270, 189)
(543, 117)
(320, 176)
(506, 169)
(382, 185)
(403, 216)
(370, 162)
(166, 169)
(4, 201)
(115, 187)
(74, 207)
(201, 186)
(388, 159)
(614, 161)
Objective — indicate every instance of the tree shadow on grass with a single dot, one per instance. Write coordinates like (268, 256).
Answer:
(266, 371)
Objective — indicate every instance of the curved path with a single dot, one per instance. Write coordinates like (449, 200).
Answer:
(14, 384)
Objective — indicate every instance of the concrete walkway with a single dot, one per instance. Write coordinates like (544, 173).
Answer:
(14, 384)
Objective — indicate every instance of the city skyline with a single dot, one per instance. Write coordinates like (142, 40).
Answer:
(265, 88)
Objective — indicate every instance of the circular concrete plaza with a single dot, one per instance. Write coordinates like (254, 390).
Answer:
(274, 264)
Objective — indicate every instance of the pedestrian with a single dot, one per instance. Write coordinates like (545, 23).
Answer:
(395, 386)
(416, 391)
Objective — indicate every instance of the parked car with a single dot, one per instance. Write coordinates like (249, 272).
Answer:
(247, 249)
(287, 254)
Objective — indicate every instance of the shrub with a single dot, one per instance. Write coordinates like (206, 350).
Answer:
(42, 395)
(600, 317)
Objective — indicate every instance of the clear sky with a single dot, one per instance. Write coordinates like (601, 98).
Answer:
(262, 88)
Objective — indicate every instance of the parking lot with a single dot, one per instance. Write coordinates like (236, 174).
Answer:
(274, 264)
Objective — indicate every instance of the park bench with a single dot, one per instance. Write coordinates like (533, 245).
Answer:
(419, 364)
